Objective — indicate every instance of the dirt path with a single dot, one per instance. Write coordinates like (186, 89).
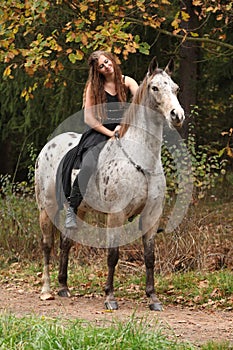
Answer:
(196, 326)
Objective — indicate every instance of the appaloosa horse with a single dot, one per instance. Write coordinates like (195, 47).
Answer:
(129, 181)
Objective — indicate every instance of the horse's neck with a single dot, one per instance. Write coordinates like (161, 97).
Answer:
(147, 129)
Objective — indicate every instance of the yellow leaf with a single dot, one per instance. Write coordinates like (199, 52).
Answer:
(175, 23)
(23, 93)
(117, 50)
(185, 16)
(83, 7)
(197, 3)
(79, 55)
(92, 16)
(194, 34)
(7, 71)
(209, 9)
(229, 151)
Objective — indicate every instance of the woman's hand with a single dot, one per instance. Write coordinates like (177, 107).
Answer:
(115, 131)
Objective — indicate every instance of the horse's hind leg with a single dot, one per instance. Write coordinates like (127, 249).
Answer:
(114, 231)
(113, 256)
(65, 245)
(47, 229)
(149, 257)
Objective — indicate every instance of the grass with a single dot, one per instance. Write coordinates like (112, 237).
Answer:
(34, 333)
(42, 334)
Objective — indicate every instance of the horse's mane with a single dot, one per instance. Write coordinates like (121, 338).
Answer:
(130, 113)
(137, 100)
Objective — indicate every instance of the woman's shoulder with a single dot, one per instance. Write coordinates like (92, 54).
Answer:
(130, 83)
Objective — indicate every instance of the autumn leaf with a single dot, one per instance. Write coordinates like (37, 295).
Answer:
(176, 23)
(117, 50)
(229, 151)
(185, 16)
(197, 3)
(193, 34)
(7, 71)
(83, 7)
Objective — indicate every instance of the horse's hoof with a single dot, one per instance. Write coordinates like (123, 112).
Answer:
(111, 305)
(156, 307)
(47, 296)
(64, 293)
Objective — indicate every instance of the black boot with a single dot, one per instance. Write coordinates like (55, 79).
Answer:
(71, 213)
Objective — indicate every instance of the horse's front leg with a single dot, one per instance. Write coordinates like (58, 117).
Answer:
(149, 257)
(113, 256)
(65, 245)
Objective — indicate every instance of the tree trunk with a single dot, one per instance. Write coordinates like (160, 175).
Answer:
(6, 164)
(189, 54)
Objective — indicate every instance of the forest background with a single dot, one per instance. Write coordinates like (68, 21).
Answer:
(44, 46)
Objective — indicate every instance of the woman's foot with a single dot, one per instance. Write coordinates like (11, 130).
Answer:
(71, 219)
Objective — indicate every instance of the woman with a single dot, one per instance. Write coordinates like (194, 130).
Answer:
(106, 86)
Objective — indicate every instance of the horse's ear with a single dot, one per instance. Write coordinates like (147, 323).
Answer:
(170, 67)
(153, 66)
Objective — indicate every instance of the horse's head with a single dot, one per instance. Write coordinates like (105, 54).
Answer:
(163, 93)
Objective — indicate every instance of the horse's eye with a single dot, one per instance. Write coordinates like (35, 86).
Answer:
(154, 88)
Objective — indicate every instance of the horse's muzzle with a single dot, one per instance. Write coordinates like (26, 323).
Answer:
(177, 117)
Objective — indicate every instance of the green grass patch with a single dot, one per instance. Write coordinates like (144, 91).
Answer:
(198, 288)
(32, 333)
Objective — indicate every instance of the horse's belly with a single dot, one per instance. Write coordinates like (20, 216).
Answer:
(115, 191)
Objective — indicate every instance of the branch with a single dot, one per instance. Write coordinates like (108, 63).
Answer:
(183, 37)
(197, 39)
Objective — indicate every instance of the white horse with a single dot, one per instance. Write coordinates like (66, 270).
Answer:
(129, 181)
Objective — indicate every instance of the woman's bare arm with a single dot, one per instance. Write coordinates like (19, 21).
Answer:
(131, 84)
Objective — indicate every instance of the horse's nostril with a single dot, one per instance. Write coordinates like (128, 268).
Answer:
(174, 115)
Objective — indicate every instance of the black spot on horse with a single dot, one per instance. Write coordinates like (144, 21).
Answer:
(106, 179)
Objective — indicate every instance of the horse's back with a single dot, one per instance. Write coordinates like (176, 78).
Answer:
(47, 165)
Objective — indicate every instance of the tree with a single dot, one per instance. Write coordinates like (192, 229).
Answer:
(44, 45)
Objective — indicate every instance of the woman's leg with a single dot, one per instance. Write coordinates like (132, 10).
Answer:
(80, 184)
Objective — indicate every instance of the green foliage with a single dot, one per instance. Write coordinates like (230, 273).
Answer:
(78, 27)
(198, 288)
(206, 164)
(18, 217)
(44, 47)
(31, 167)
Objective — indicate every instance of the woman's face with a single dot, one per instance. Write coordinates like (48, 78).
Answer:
(105, 65)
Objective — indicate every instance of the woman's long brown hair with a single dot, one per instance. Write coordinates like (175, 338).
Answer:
(96, 81)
